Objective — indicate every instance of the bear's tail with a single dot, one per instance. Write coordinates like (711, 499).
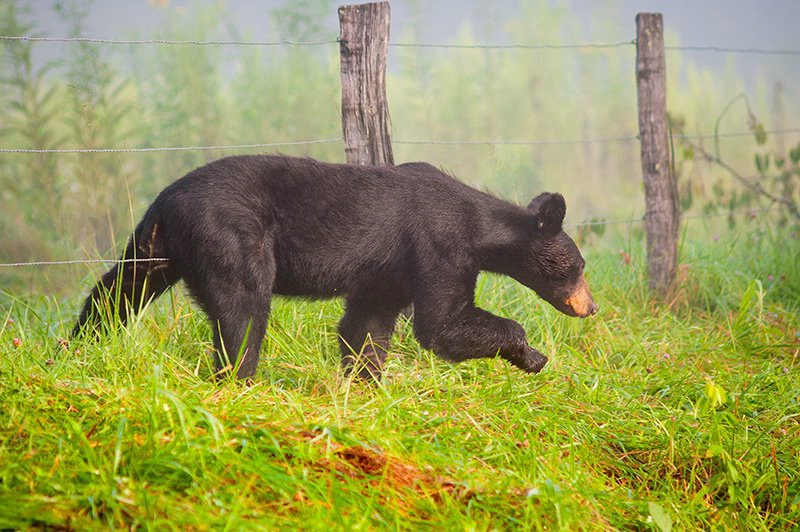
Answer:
(135, 280)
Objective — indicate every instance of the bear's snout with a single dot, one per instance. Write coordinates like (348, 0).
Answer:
(580, 301)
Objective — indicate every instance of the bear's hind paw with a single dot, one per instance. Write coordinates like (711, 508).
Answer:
(367, 366)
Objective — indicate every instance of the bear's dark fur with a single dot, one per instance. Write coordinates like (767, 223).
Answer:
(243, 228)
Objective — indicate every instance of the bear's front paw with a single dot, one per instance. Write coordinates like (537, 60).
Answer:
(531, 360)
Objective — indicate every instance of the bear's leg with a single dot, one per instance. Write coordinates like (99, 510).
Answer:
(238, 334)
(238, 313)
(455, 329)
(365, 332)
(232, 281)
(476, 333)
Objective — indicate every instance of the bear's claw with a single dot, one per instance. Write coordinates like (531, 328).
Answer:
(531, 361)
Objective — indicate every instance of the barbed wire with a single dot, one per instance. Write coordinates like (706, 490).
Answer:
(78, 261)
(286, 42)
(521, 142)
(625, 138)
(324, 42)
(747, 212)
(566, 46)
(172, 148)
(463, 142)
(741, 133)
(578, 46)
(723, 49)
(134, 42)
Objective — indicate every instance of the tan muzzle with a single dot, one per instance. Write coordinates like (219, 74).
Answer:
(580, 300)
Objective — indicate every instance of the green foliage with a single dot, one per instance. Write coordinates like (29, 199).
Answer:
(31, 206)
(775, 185)
(98, 117)
(645, 418)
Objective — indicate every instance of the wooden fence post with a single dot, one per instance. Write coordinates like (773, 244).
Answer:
(662, 207)
(363, 45)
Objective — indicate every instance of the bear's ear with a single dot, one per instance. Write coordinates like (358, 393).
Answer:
(548, 212)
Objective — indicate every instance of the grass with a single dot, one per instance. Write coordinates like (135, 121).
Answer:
(647, 416)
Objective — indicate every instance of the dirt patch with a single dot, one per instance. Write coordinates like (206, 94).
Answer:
(390, 471)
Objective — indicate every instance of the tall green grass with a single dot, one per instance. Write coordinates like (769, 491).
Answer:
(647, 416)
(650, 415)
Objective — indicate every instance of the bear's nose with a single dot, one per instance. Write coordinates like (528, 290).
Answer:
(593, 308)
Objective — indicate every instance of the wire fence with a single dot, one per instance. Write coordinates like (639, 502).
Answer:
(138, 42)
(335, 41)
(728, 50)
(439, 142)
(564, 46)
(434, 142)
(174, 148)
(330, 42)
(70, 262)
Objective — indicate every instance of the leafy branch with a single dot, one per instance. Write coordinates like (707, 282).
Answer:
(779, 189)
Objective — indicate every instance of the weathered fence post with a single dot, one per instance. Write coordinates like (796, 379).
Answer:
(662, 207)
(363, 45)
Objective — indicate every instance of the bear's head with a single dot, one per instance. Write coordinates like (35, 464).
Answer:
(551, 264)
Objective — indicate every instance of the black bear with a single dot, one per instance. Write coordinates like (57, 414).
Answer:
(243, 228)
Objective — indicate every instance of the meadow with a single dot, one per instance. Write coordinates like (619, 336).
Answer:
(649, 415)
(658, 413)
